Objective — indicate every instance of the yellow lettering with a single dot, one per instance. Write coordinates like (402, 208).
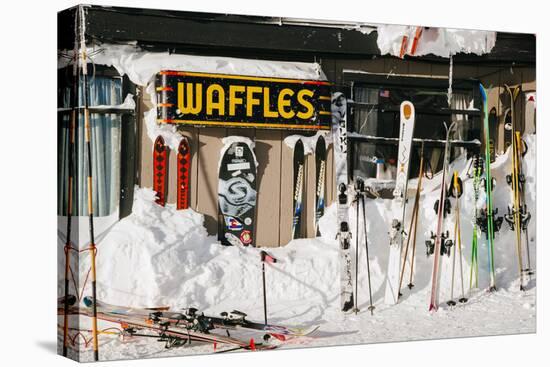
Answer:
(233, 99)
(190, 105)
(267, 104)
(218, 105)
(252, 101)
(283, 103)
(308, 113)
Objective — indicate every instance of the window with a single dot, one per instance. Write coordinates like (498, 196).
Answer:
(374, 121)
(105, 92)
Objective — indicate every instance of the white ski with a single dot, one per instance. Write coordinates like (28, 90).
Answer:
(339, 133)
(399, 202)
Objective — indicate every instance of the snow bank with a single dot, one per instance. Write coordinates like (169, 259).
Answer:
(442, 42)
(159, 255)
(163, 256)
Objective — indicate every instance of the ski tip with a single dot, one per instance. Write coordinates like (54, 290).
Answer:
(407, 110)
(483, 92)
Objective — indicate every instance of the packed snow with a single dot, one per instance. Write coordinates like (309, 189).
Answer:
(160, 256)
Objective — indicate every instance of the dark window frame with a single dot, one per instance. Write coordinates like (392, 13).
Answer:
(354, 79)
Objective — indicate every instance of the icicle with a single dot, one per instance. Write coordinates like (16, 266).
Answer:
(450, 90)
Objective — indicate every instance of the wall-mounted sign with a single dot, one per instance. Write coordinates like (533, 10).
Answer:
(201, 99)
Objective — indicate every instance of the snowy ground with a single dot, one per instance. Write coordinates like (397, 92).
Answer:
(161, 256)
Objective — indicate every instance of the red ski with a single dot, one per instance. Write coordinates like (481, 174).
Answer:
(159, 170)
(184, 158)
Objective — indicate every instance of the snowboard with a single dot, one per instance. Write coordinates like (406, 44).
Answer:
(297, 199)
(237, 195)
(320, 175)
(339, 133)
(160, 165)
(184, 161)
(406, 131)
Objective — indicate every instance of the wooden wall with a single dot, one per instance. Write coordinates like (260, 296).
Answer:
(275, 179)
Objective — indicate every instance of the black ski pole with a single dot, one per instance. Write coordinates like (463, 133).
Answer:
(371, 307)
(265, 257)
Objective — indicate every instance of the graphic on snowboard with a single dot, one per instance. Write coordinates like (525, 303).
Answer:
(237, 195)
(160, 164)
(184, 161)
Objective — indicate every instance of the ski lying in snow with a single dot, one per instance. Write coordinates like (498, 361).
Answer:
(339, 133)
(320, 175)
(297, 199)
(399, 202)
(160, 163)
(191, 317)
(230, 321)
(438, 244)
(237, 195)
(184, 158)
(173, 335)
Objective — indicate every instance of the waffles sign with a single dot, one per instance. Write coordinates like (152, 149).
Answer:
(200, 99)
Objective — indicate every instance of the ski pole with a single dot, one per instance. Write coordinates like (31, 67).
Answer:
(417, 201)
(357, 194)
(451, 302)
(68, 248)
(265, 257)
(412, 226)
(407, 246)
(371, 307)
(463, 299)
(88, 134)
